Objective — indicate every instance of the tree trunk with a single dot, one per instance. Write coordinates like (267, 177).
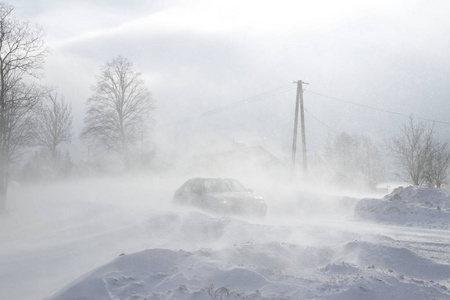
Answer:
(3, 190)
(2, 203)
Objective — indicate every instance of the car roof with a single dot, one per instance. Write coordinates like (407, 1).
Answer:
(210, 178)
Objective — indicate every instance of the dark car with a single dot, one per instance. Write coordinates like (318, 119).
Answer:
(220, 195)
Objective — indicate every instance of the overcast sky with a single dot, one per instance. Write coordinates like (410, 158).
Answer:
(197, 56)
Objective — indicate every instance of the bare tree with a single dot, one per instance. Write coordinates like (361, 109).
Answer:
(413, 149)
(53, 124)
(369, 161)
(21, 55)
(118, 111)
(352, 156)
(436, 171)
(339, 152)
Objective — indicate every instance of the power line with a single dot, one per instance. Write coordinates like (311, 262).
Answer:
(259, 97)
(376, 108)
(314, 117)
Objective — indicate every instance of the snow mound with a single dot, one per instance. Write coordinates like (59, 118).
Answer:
(357, 270)
(394, 259)
(383, 271)
(412, 206)
(177, 274)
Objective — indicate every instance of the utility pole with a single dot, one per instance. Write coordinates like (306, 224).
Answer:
(299, 103)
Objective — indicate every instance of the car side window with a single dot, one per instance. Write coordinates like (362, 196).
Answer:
(210, 185)
(196, 187)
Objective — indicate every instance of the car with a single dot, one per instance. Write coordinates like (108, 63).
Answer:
(221, 196)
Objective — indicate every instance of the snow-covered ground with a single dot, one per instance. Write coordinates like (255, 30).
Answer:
(123, 239)
(412, 206)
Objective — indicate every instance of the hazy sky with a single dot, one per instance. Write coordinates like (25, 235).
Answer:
(197, 56)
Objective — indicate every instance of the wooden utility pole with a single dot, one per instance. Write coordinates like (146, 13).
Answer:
(299, 103)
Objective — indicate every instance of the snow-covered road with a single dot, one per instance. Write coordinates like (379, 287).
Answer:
(52, 239)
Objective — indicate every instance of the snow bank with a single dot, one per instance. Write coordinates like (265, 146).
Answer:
(262, 261)
(301, 250)
(169, 274)
(380, 270)
(411, 206)
(357, 270)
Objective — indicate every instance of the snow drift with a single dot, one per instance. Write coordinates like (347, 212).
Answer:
(412, 206)
(263, 260)
(308, 247)
(363, 270)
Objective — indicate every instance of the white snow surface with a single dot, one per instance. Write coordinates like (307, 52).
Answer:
(411, 206)
(123, 239)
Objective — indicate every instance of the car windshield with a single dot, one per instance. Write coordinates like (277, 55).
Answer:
(223, 185)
